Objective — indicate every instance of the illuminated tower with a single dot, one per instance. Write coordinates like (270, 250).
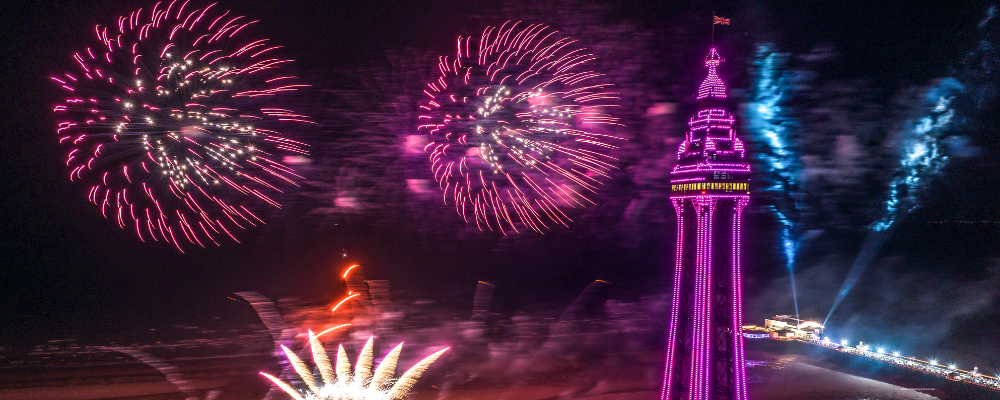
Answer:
(709, 188)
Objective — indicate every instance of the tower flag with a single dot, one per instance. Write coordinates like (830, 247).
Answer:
(717, 21)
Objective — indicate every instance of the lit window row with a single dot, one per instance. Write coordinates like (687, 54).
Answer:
(684, 187)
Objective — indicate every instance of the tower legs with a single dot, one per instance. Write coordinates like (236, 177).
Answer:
(739, 359)
(674, 325)
(704, 352)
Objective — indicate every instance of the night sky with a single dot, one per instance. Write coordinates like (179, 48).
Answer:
(857, 72)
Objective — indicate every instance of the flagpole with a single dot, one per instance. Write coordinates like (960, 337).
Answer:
(713, 29)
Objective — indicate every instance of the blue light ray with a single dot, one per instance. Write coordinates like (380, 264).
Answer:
(920, 159)
(770, 127)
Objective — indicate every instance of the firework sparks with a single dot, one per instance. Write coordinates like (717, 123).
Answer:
(772, 127)
(517, 128)
(338, 383)
(171, 119)
(921, 157)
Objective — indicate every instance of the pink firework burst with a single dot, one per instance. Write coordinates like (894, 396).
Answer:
(518, 127)
(173, 119)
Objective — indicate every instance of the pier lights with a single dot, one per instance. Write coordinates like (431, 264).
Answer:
(933, 362)
(881, 351)
(895, 354)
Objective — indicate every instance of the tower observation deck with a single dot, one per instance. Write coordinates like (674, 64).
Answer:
(709, 188)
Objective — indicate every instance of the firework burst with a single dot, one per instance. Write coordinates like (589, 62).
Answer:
(517, 127)
(339, 383)
(171, 118)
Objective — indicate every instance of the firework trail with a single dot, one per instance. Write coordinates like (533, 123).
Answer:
(570, 316)
(923, 140)
(285, 334)
(339, 383)
(482, 300)
(170, 372)
(921, 159)
(382, 307)
(922, 156)
(773, 128)
(173, 119)
(281, 333)
(517, 128)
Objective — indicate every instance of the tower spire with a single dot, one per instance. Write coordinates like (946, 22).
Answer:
(712, 86)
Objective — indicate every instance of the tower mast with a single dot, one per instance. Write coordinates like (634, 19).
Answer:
(709, 189)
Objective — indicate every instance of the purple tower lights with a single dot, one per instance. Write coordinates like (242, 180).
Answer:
(709, 188)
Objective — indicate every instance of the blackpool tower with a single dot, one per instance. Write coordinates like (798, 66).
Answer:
(709, 188)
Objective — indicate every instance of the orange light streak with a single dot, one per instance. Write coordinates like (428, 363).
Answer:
(342, 301)
(349, 270)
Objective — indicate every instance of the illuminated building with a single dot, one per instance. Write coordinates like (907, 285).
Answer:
(781, 329)
(709, 190)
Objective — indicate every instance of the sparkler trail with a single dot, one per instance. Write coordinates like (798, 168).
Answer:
(173, 118)
(771, 127)
(338, 383)
(518, 128)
